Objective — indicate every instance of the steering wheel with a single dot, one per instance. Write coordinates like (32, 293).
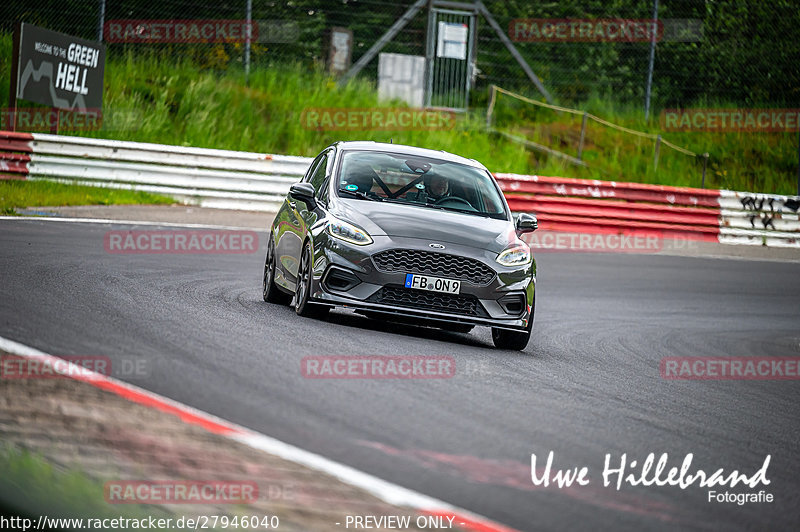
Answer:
(454, 199)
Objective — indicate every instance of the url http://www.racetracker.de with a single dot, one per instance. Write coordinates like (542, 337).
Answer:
(201, 522)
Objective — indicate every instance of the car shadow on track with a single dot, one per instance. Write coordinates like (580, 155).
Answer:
(351, 319)
(348, 318)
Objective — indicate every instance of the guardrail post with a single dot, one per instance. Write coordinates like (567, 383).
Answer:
(55, 123)
(655, 154)
(583, 135)
(490, 109)
(12, 88)
(705, 165)
(101, 18)
(248, 36)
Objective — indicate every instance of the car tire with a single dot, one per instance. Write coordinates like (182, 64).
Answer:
(272, 294)
(513, 340)
(302, 304)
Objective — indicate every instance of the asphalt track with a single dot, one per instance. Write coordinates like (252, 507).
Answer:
(588, 383)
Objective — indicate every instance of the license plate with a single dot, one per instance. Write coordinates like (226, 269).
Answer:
(434, 284)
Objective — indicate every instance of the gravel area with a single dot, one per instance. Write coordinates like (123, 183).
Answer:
(77, 426)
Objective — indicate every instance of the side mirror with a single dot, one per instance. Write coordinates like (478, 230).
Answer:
(526, 223)
(303, 192)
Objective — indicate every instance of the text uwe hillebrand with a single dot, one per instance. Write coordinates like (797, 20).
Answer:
(651, 471)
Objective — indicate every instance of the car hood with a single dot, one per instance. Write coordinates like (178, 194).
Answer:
(433, 225)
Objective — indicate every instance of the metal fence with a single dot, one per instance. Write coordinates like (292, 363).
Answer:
(742, 52)
(658, 141)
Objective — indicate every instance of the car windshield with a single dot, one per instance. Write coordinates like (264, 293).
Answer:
(420, 181)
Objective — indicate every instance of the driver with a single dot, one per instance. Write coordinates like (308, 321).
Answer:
(437, 187)
(361, 175)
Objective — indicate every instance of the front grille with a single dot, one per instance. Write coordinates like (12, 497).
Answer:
(466, 305)
(437, 264)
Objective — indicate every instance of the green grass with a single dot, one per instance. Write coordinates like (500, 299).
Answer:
(30, 486)
(752, 161)
(179, 104)
(20, 194)
(152, 97)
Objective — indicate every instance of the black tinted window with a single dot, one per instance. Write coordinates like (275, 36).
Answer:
(318, 177)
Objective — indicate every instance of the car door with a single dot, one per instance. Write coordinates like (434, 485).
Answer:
(300, 217)
(289, 234)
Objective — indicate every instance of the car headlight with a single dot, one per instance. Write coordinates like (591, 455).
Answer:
(518, 254)
(348, 232)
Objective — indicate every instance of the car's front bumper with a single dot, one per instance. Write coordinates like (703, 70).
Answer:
(486, 301)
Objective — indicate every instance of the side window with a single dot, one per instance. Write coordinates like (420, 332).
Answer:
(322, 190)
(318, 176)
(312, 168)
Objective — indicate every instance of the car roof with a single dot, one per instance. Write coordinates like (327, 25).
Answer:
(368, 145)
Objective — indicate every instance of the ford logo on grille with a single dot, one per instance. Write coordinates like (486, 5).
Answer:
(434, 245)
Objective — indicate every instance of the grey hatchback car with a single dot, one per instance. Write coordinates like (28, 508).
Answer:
(403, 233)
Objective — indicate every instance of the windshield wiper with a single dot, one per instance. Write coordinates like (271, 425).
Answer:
(359, 194)
(498, 216)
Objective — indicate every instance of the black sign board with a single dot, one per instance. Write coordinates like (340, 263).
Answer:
(58, 70)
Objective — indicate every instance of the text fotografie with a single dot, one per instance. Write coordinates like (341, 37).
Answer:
(649, 473)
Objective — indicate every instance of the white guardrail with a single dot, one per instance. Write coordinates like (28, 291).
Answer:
(255, 181)
(205, 177)
(759, 219)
